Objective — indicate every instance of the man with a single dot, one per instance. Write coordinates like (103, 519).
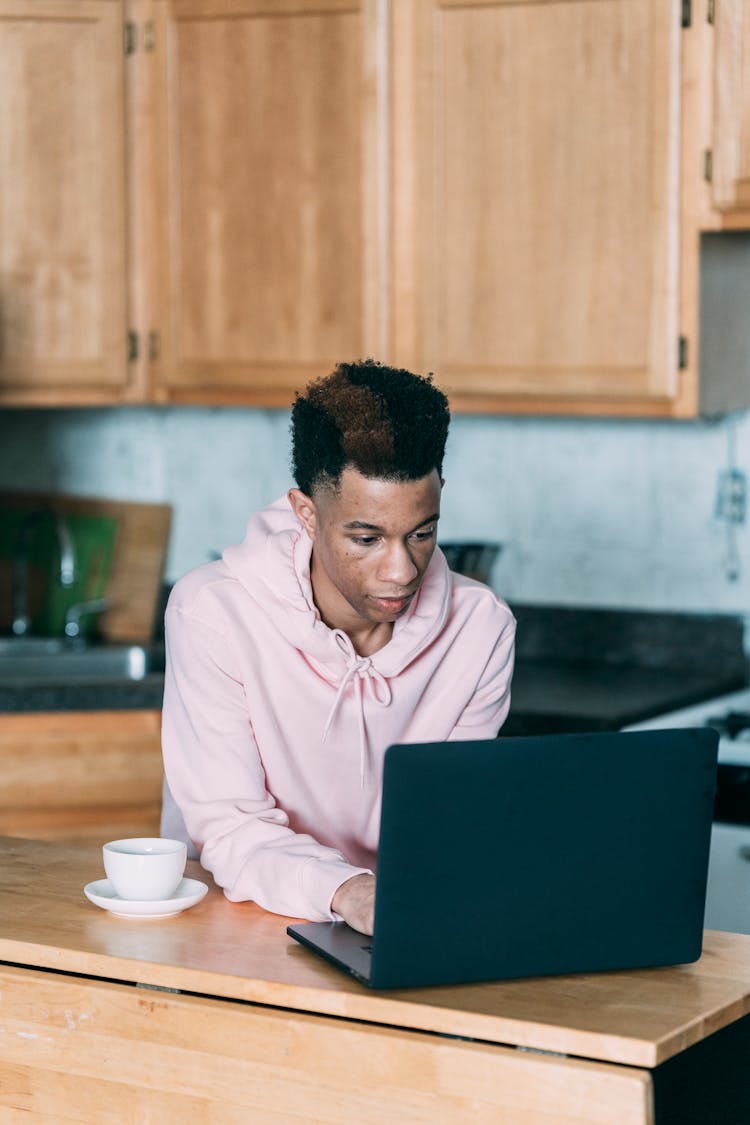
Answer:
(334, 630)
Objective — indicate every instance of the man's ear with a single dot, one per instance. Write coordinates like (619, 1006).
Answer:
(304, 509)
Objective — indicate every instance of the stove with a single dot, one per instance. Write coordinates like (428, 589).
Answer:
(728, 714)
(728, 894)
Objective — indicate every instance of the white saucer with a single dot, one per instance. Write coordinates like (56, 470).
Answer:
(102, 893)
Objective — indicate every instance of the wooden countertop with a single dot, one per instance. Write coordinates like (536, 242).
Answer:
(237, 950)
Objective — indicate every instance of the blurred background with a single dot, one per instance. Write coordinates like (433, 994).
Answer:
(594, 512)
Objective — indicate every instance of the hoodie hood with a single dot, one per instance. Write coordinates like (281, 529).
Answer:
(273, 565)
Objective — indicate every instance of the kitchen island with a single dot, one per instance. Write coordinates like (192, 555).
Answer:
(216, 1015)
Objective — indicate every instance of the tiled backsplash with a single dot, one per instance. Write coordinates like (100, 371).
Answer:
(590, 512)
(708, 643)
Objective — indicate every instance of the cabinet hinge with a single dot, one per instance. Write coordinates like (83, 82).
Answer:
(154, 346)
(682, 352)
(148, 36)
(687, 13)
(540, 1051)
(708, 165)
(711, 11)
(133, 348)
(130, 37)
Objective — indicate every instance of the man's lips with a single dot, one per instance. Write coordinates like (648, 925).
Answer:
(394, 603)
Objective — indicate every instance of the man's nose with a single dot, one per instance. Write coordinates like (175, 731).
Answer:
(398, 566)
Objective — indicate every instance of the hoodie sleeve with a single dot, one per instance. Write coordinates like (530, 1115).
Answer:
(216, 776)
(489, 706)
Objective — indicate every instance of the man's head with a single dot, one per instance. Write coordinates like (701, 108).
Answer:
(368, 445)
(384, 422)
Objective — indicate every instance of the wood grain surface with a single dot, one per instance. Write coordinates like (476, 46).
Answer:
(239, 951)
(539, 259)
(89, 1050)
(270, 194)
(80, 775)
(63, 307)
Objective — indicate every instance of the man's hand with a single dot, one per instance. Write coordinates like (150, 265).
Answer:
(355, 902)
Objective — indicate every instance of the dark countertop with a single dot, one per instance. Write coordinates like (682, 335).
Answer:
(576, 670)
(547, 696)
(102, 695)
(555, 696)
(583, 669)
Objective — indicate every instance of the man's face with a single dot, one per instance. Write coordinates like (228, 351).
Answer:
(372, 542)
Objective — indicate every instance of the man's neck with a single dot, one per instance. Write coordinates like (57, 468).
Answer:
(367, 637)
(370, 638)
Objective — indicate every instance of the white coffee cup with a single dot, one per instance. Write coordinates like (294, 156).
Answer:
(145, 868)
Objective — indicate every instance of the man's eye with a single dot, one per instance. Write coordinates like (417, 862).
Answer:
(422, 536)
(364, 540)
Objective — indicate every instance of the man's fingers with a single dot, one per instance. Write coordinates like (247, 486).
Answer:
(355, 902)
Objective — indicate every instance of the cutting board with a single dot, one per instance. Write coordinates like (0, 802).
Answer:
(136, 559)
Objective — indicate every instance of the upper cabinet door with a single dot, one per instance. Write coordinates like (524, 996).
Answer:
(536, 234)
(63, 316)
(731, 153)
(272, 140)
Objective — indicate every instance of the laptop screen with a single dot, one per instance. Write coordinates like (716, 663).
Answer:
(538, 855)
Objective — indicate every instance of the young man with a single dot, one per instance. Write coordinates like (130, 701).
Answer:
(334, 630)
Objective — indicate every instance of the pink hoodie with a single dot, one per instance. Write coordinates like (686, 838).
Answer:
(274, 729)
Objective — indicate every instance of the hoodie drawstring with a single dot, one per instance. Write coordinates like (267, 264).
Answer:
(361, 670)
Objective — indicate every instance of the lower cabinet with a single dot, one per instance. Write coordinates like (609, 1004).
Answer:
(79, 776)
(728, 897)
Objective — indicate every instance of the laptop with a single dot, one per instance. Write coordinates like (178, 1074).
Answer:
(535, 856)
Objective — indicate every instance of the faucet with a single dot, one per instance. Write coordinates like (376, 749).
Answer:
(78, 610)
(67, 569)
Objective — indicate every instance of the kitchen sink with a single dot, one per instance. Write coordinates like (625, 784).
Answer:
(55, 660)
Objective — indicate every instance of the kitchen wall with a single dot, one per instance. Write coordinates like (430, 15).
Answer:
(591, 512)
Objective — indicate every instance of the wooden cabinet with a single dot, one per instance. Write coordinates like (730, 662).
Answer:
(510, 194)
(269, 135)
(80, 776)
(63, 316)
(731, 142)
(537, 230)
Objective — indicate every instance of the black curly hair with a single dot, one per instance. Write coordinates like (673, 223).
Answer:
(385, 422)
